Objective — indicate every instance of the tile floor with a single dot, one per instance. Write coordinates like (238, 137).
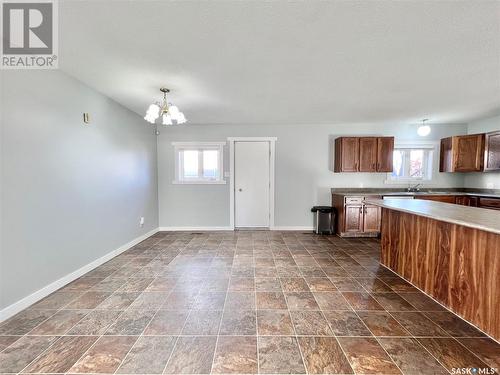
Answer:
(243, 302)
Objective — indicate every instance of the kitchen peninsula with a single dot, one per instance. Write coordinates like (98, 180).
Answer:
(450, 252)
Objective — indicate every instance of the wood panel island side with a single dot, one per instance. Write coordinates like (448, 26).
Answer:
(450, 252)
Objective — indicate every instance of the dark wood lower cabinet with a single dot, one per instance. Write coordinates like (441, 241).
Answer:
(371, 219)
(492, 203)
(466, 200)
(438, 198)
(456, 265)
(353, 219)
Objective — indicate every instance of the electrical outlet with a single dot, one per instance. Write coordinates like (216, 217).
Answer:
(141, 221)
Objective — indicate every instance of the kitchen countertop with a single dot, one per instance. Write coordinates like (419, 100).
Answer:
(472, 217)
(391, 192)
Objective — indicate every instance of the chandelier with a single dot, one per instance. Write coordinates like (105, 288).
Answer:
(167, 111)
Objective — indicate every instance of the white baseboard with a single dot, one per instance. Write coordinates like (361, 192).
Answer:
(52, 287)
(193, 229)
(211, 229)
(301, 228)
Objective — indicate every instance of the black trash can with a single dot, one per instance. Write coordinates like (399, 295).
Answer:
(324, 219)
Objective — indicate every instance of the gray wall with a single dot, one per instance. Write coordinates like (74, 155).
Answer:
(489, 180)
(71, 193)
(303, 177)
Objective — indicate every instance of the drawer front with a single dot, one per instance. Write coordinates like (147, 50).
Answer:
(489, 202)
(354, 200)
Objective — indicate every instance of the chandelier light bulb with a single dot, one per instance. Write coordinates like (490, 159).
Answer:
(174, 112)
(181, 119)
(167, 120)
(153, 111)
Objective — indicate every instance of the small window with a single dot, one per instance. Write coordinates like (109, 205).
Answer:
(198, 163)
(411, 164)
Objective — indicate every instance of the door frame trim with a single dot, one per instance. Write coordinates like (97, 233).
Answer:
(272, 149)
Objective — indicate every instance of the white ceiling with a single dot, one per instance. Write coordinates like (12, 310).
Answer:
(307, 62)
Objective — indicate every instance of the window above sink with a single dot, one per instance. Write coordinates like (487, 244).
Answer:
(412, 163)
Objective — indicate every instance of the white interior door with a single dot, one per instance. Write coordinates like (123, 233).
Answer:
(251, 184)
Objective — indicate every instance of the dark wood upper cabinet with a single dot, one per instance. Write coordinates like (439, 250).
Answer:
(363, 154)
(346, 154)
(463, 153)
(469, 154)
(368, 154)
(385, 150)
(445, 156)
(492, 151)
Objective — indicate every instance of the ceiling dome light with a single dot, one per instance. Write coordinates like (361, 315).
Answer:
(167, 111)
(424, 130)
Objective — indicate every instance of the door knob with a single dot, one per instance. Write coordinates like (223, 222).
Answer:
(240, 189)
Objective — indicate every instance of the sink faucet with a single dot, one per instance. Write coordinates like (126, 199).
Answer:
(413, 188)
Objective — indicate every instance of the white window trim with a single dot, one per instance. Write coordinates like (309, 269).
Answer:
(429, 181)
(179, 146)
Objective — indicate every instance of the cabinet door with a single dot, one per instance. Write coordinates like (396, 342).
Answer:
(385, 151)
(493, 203)
(353, 218)
(371, 219)
(468, 153)
(492, 152)
(473, 201)
(349, 154)
(445, 156)
(368, 154)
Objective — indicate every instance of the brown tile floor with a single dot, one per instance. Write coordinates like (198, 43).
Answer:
(243, 302)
